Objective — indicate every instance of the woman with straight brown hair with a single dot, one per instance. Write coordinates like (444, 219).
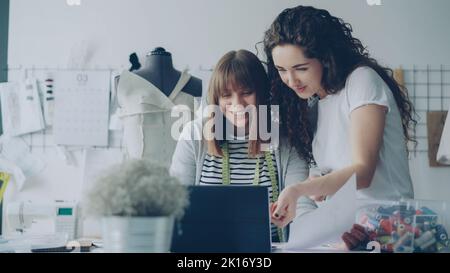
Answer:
(227, 147)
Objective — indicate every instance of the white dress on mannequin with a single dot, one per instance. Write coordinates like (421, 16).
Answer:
(145, 112)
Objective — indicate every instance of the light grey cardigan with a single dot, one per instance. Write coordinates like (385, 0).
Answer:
(187, 162)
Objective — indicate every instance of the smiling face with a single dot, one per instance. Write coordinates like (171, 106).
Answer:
(301, 74)
(233, 103)
(238, 87)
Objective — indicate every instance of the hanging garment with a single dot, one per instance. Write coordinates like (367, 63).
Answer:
(443, 153)
(435, 127)
(145, 112)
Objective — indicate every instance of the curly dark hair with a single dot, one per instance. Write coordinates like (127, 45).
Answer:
(329, 40)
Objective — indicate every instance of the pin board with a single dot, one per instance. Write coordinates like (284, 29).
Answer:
(429, 90)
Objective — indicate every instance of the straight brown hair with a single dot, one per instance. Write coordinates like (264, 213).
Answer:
(238, 69)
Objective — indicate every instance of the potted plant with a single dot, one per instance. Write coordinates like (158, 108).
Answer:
(138, 202)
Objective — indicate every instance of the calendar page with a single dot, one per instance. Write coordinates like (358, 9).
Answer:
(81, 108)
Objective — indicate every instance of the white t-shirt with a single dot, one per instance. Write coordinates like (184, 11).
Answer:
(331, 143)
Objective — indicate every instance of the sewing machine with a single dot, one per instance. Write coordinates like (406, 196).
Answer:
(26, 217)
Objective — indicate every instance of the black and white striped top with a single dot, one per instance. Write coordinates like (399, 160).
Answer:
(242, 171)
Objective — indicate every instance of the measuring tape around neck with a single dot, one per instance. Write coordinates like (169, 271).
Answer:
(226, 175)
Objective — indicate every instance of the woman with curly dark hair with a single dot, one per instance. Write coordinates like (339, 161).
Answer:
(363, 118)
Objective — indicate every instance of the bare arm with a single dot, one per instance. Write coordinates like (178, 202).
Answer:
(366, 136)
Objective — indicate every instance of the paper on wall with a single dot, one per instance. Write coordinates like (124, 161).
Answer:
(16, 175)
(67, 155)
(17, 159)
(81, 114)
(96, 162)
(21, 108)
(326, 224)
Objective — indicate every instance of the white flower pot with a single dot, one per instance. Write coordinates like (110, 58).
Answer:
(137, 234)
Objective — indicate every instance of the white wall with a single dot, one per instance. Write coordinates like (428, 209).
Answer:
(198, 32)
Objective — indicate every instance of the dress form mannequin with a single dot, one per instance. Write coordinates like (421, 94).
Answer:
(159, 70)
(134, 60)
(146, 99)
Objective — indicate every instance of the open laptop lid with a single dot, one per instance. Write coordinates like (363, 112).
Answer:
(232, 219)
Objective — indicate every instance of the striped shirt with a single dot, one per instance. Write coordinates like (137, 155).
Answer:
(242, 171)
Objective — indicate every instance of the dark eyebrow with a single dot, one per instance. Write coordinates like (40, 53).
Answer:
(294, 66)
(299, 65)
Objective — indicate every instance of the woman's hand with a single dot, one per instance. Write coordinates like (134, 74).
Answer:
(276, 222)
(283, 210)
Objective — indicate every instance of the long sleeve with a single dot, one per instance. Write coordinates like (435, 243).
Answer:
(183, 165)
(297, 171)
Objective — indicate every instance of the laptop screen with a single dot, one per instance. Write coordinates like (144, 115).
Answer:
(224, 219)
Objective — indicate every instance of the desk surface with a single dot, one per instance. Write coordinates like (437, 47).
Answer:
(280, 248)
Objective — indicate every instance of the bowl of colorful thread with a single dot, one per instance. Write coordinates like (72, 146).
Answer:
(406, 226)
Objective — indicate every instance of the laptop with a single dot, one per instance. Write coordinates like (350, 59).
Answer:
(224, 219)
